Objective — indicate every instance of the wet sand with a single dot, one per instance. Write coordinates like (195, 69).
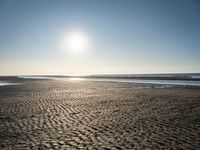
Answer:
(49, 114)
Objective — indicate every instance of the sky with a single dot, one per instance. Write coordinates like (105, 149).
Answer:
(126, 36)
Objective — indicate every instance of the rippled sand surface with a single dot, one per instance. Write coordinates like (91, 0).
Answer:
(48, 114)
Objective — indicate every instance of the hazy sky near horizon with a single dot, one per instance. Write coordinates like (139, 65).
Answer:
(127, 36)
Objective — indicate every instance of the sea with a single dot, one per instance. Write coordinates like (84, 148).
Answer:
(183, 80)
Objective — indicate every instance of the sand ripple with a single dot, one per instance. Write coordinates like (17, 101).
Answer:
(52, 114)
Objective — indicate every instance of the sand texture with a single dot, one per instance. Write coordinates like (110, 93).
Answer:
(48, 114)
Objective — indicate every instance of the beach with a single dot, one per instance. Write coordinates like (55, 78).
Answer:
(74, 114)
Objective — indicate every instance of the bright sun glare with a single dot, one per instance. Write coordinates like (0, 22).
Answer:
(77, 41)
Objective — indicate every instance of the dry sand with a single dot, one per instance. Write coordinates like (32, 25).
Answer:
(47, 114)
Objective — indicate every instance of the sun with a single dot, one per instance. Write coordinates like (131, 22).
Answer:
(77, 41)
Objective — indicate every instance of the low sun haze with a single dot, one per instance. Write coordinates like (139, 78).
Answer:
(76, 37)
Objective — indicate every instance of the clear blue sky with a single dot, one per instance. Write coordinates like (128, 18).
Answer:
(129, 36)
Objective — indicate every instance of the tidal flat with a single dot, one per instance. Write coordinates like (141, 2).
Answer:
(55, 114)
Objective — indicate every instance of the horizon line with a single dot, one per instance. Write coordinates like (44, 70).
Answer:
(99, 74)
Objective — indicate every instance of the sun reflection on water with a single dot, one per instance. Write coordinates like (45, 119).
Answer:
(76, 79)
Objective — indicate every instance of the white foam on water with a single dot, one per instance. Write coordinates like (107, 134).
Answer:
(9, 83)
(51, 78)
(166, 83)
(154, 82)
(36, 77)
(195, 77)
(170, 82)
